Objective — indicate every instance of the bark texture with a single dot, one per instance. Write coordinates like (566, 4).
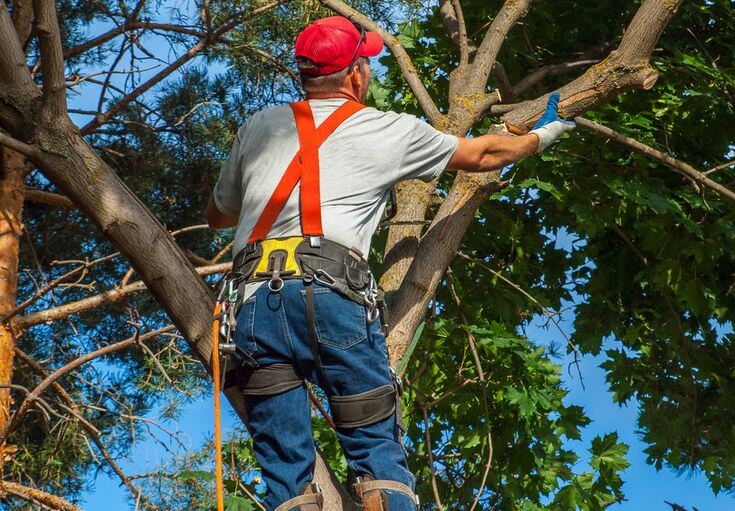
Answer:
(12, 174)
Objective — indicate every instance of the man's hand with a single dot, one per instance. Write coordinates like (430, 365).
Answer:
(550, 127)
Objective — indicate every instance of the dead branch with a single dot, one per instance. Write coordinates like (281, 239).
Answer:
(36, 496)
(47, 382)
(111, 296)
(202, 45)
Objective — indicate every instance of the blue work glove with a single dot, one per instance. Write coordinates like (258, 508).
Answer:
(550, 127)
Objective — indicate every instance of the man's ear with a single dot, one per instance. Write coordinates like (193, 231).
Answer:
(356, 77)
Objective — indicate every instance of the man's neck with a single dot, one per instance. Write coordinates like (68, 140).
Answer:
(340, 94)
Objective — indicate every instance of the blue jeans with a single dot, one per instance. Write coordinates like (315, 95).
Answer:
(272, 328)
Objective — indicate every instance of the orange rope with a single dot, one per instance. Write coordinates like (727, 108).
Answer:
(217, 415)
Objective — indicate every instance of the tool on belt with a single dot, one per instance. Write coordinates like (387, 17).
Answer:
(313, 259)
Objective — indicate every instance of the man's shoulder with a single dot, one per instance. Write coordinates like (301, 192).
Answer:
(390, 120)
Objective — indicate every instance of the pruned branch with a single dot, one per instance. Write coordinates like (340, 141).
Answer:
(668, 160)
(52, 58)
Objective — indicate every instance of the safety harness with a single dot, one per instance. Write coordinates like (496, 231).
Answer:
(311, 258)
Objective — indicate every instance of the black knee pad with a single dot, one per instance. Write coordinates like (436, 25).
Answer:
(356, 410)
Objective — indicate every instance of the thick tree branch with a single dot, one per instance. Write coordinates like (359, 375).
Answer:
(668, 160)
(487, 53)
(52, 59)
(404, 61)
(36, 496)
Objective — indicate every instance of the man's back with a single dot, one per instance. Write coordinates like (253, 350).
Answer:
(358, 164)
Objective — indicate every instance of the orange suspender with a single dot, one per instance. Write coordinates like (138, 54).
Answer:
(305, 167)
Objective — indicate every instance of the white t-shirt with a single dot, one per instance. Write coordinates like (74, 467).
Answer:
(359, 163)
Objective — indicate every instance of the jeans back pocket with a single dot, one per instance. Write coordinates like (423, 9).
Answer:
(339, 321)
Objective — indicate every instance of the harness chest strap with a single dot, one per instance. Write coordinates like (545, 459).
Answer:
(304, 167)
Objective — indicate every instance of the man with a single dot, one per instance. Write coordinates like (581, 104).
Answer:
(306, 185)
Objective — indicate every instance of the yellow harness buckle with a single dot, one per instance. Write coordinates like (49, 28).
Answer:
(279, 258)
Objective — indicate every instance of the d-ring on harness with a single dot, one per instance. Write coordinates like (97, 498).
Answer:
(312, 258)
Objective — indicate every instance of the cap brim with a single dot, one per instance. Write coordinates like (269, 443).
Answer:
(373, 45)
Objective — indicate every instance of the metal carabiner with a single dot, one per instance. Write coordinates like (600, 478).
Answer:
(318, 274)
(373, 314)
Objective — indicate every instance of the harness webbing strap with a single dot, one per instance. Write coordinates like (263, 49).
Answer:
(370, 485)
(314, 500)
(305, 167)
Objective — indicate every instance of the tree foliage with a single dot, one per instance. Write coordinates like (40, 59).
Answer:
(642, 254)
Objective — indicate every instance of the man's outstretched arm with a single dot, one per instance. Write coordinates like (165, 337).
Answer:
(491, 152)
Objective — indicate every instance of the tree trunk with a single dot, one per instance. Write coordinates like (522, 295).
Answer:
(12, 174)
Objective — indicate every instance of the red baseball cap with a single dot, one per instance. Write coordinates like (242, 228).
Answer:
(334, 43)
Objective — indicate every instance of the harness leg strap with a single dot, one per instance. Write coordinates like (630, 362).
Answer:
(267, 380)
(357, 410)
(311, 499)
(370, 492)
